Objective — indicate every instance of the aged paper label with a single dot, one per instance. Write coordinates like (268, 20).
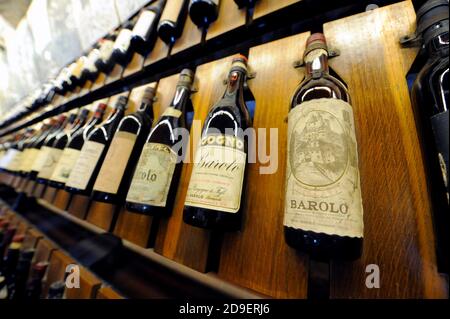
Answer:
(218, 174)
(153, 175)
(40, 159)
(85, 165)
(53, 156)
(323, 192)
(65, 165)
(115, 162)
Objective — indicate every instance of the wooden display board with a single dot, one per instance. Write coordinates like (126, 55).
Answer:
(56, 269)
(89, 284)
(190, 38)
(159, 52)
(99, 81)
(44, 249)
(266, 7)
(230, 18)
(115, 74)
(108, 293)
(32, 237)
(134, 227)
(136, 64)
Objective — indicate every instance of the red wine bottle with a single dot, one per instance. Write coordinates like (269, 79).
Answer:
(29, 151)
(144, 32)
(58, 146)
(323, 205)
(172, 20)
(122, 50)
(106, 47)
(85, 170)
(115, 174)
(50, 154)
(45, 149)
(71, 153)
(155, 180)
(204, 12)
(215, 192)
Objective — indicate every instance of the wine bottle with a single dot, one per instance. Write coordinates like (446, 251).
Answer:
(172, 20)
(323, 205)
(85, 170)
(245, 3)
(144, 32)
(155, 180)
(430, 101)
(15, 166)
(104, 63)
(121, 53)
(71, 153)
(56, 290)
(48, 155)
(59, 144)
(215, 192)
(204, 12)
(18, 286)
(115, 174)
(76, 72)
(3, 289)
(29, 152)
(90, 70)
(13, 155)
(35, 147)
(34, 286)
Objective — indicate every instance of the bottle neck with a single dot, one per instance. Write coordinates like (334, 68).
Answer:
(146, 107)
(439, 45)
(235, 87)
(182, 94)
(316, 63)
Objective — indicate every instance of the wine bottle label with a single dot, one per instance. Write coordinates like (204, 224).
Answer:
(106, 50)
(173, 112)
(123, 40)
(14, 164)
(218, 174)
(94, 55)
(115, 162)
(143, 24)
(172, 10)
(440, 126)
(53, 156)
(84, 167)
(153, 175)
(323, 192)
(25, 159)
(29, 157)
(40, 159)
(8, 158)
(65, 165)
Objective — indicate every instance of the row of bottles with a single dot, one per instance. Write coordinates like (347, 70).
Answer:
(125, 160)
(161, 18)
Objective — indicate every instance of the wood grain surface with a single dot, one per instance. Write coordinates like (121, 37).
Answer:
(160, 51)
(266, 7)
(191, 37)
(136, 64)
(398, 235)
(89, 285)
(56, 269)
(108, 293)
(230, 18)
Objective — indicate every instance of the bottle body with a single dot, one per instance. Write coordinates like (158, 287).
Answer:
(323, 206)
(117, 168)
(215, 192)
(203, 12)
(172, 20)
(87, 166)
(155, 180)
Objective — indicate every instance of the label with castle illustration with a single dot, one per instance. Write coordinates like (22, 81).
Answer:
(323, 192)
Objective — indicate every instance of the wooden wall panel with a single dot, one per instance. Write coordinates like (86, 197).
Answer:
(191, 37)
(398, 229)
(177, 240)
(56, 269)
(258, 257)
(32, 237)
(44, 250)
(160, 51)
(108, 293)
(136, 64)
(230, 18)
(266, 7)
(89, 284)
